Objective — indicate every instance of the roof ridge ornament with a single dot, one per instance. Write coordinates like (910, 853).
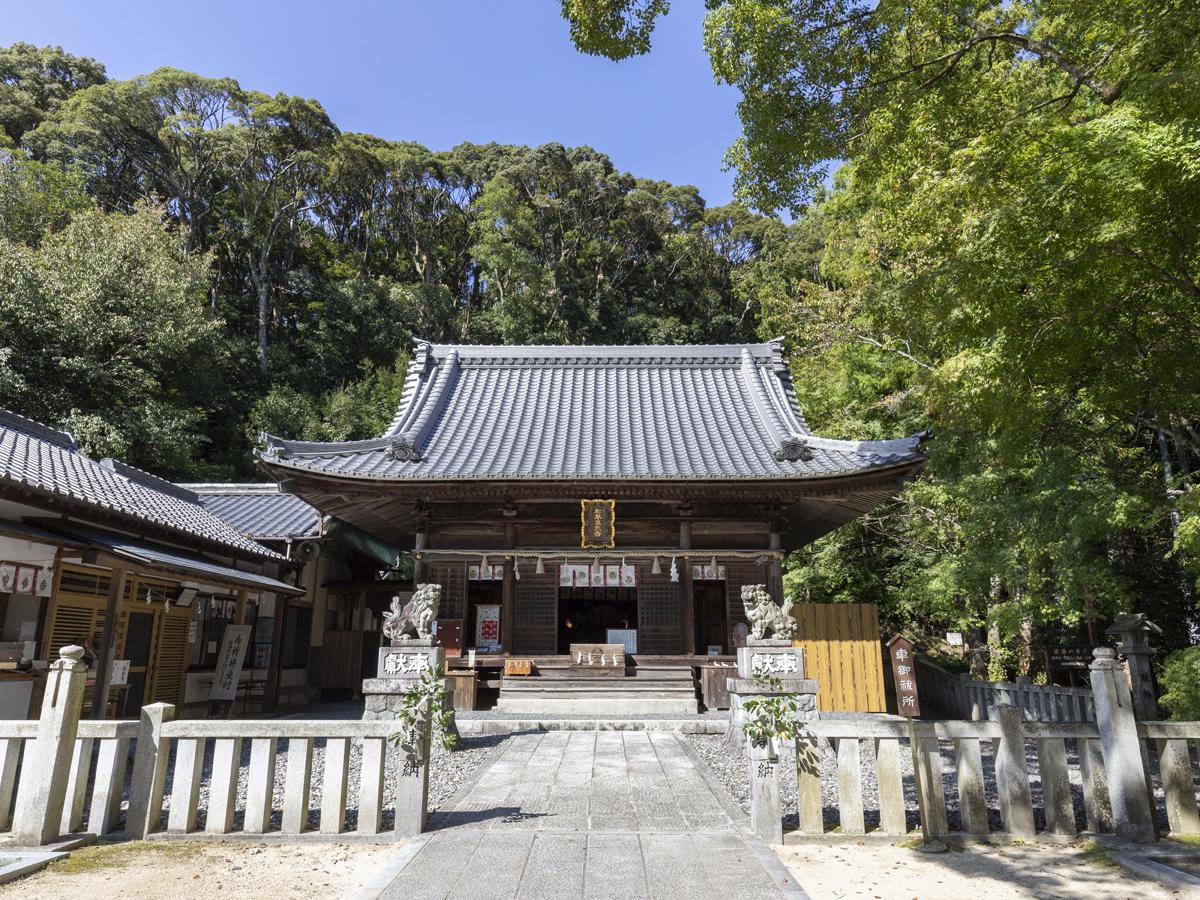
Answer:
(794, 449)
(403, 449)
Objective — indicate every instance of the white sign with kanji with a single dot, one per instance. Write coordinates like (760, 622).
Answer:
(234, 643)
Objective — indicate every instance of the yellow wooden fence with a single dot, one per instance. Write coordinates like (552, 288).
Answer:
(842, 650)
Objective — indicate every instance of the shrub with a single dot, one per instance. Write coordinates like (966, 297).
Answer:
(1181, 684)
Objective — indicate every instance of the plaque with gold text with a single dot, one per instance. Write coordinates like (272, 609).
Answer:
(598, 523)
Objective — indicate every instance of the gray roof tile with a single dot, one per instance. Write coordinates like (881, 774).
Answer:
(35, 456)
(541, 412)
(259, 510)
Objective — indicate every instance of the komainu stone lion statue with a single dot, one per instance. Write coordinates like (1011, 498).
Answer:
(416, 617)
(766, 617)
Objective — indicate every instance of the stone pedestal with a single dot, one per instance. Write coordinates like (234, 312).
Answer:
(399, 666)
(764, 658)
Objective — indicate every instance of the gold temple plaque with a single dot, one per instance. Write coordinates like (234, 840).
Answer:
(598, 523)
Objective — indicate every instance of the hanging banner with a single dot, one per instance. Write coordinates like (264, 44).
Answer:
(45, 583)
(486, 573)
(577, 575)
(708, 573)
(8, 579)
(487, 626)
(598, 523)
(26, 580)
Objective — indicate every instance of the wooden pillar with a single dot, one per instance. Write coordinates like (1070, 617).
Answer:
(106, 652)
(239, 614)
(508, 590)
(687, 599)
(775, 566)
(271, 694)
(419, 542)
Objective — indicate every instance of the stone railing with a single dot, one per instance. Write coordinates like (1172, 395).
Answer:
(962, 697)
(1109, 755)
(342, 739)
(48, 765)
(100, 757)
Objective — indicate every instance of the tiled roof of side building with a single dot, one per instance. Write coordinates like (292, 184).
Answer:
(49, 462)
(718, 412)
(259, 510)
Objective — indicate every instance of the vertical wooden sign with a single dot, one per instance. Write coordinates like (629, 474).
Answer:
(904, 676)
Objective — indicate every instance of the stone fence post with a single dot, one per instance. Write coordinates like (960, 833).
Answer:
(1123, 761)
(149, 771)
(43, 788)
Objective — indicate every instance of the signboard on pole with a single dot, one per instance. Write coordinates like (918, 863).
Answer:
(1067, 658)
(229, 662)
(904, 676)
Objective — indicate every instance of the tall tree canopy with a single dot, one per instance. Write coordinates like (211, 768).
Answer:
(1009, 253)
(308, 258)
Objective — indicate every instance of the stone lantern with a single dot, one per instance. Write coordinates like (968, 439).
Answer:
(1134, 632)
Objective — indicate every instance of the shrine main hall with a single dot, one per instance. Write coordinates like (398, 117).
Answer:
(573, 494)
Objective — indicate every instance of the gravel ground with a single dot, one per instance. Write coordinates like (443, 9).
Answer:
(732, 771)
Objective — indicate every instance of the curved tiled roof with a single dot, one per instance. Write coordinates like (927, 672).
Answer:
(545, 412)
(49, 461)
(259, 510)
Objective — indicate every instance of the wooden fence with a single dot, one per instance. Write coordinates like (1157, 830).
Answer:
(842, 651)
(959, 696)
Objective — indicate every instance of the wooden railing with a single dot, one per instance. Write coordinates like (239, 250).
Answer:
(962, 697)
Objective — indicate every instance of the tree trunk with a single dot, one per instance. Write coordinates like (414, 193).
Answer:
(262, 290)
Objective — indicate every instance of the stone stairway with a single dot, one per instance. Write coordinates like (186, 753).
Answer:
(646, 690)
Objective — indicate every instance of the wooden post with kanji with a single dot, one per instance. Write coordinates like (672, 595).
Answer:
(904, 682)
(904, 677)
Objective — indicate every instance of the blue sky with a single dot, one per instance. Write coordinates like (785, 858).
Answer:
(435, 71)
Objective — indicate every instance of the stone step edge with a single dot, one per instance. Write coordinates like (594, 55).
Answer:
(507, 726)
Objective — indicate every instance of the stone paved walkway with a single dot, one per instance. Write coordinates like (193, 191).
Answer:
(591, 814)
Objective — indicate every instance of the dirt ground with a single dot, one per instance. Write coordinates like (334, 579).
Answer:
(1042, 871)
(186, 869)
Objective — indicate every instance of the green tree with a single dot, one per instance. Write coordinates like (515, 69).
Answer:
(101, 325)
(34, 82)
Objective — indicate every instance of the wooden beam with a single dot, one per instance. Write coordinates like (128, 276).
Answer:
(107, 650)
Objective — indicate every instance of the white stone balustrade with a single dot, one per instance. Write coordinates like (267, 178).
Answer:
(1109, 755)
